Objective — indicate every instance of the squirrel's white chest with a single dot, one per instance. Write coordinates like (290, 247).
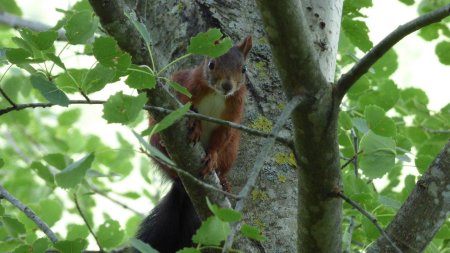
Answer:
(212, 105)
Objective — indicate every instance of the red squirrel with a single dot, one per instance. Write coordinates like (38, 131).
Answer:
(218, 90)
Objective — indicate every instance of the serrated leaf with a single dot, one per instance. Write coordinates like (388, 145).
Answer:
(71, 246)
(97, 78)
(443, 52)
(40, 245)
(71, 80)
(108, 53)
(142, 246)
(252, 233)
(152, 150)
(40, 40)
(81, 27)
(18, 55)
(121, 108)
(56, 59)
(180, 88)
(49, 90)
(75, 231)
(225, 214)
(378, 155)
(109, 234)
(75, 172)
(378, 122)
(212, 232)
(13, 226)
(358, 33)
(140, 77)
(210, 44)
(168, 120)
(43, 172)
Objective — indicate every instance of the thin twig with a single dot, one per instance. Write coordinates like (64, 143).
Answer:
(196, 180)
(105, 195)
(347, 238)
(436, 131)
(75, 198)
(348, 79)
(3, 92)
(371, 219)
(29, 213)
(353, 158)
(285, 141)
(18, 22)
(257, 166)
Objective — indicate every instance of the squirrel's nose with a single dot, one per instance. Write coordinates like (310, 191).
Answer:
(226, 87)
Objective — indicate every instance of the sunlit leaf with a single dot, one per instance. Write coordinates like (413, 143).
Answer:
(210, 43)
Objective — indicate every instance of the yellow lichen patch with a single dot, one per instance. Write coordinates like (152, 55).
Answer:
(263, 124)
(282, 159)
(282, 178)
(263, 40)
(261, 67)
(260, 224)
(256, 194)
(281, 106)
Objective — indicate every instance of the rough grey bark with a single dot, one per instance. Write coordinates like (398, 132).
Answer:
(424, 212)
(293, 38)
(273, 205)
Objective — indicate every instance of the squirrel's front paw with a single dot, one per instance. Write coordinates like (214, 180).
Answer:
(210, 161)
(195, 130)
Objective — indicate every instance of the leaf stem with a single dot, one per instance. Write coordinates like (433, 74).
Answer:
(75, 198)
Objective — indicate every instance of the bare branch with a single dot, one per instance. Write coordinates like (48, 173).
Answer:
(371, 219)
(18, 22)
(29, 213)
(285, 141)
(75, 198)
(267, 145)
(348, 79)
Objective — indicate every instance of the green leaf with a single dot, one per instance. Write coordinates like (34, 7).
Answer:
(385, 96)
(71, 80)
(81, 27)
(13, 226)
(97, 78)
(49, 90)
(39, 40)
(69, 117)
(75, 172)
(390, 202)
(358, 33)
(423, 162)
(210, 44)
(378, 122)
(407, 2)
(152, 150)
(345, 121)
(252, 233)
(109, 234)
(43, 172)
(11, 7)
(443, 52)
(431, 32)
(386, 65)
(360, 124)
(122, 108)
(108, 53)
(180, 88)
(225, 214)
(142, 246)
(378, 155)
(212, 232)
(18, 55)
(41, 245)
(56, 59)
(50, 211)
(140, 77)
(2, 162)
(75, 231)
(168, 120)
(141, 28)
(71, 246)
(56, 160)
(189, 250)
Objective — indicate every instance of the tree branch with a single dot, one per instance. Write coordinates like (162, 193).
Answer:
(18, 22)
(285, 141)
(424, 212)
(371, 219)
(348, 79)
(267, 145)
(29, 213)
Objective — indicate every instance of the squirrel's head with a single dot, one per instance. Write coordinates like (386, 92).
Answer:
(226, 73)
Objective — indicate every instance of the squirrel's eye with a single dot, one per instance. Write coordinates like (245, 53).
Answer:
(211, 65)
(244, 69)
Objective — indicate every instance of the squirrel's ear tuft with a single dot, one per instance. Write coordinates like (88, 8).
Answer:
(245, 45)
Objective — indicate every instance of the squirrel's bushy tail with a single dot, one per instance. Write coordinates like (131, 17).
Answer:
(172, 223)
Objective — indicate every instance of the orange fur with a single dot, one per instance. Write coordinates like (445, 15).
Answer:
(224, 87)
